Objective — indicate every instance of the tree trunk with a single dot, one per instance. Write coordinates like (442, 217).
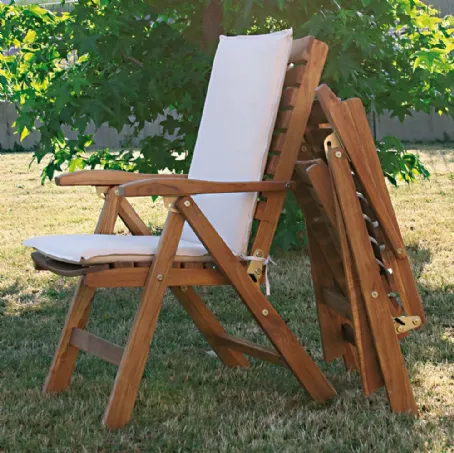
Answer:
(212, 24)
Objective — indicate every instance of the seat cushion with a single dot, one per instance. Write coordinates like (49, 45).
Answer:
(88, 249)
(236, 128)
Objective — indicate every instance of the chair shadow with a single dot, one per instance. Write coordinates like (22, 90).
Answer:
(178, 348)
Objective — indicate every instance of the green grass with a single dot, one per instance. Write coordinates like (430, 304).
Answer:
(188, 401)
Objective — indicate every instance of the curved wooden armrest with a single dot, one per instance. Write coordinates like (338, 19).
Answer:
(180, 187)
(106, 178)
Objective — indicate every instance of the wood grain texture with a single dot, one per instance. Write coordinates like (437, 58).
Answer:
(132, 220)
(135, 277)
(96, 346)
(369, 367)
(301, 49)
(291, 142)
(285, 342)
(209, 326)
(406, 285)
(342, 121)
(124, 393)
(106, 178)
(250, 348)
(179, 187)
(400, 393)
(109, 213)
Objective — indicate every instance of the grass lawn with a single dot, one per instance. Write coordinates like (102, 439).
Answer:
(188, 401)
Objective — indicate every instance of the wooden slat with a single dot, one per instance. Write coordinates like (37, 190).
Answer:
(271, 165)
(289, 97)
(283, 119)
(136, 277)
(294, 76)
(387, 345)
(341, 119)
(369, 368)
(403, 275)
(105, 178)
(292, 144)
(330, 323)
(109, 213)
(260, 211)
(301, 49)
(131, 219)
(178, 187)
(285, 342)
(277, 142)
(249, 348)
(96, 346)
(337, 302)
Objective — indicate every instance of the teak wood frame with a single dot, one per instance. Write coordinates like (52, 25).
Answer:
(181, 273)
(358, 258)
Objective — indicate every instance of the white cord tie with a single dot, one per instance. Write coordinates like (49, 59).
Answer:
(265, 262)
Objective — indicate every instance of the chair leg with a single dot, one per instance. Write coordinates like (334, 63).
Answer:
(124, 393)
(208, 325)
(283, 339)
(62, 368)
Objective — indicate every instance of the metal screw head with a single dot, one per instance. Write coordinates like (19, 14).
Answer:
(187, 203)
(288, 185)
(374, 294)
(117, 192)
(338, 154)
(259, 254)
(400, 329)
(399, 251)
(265, 312)
(416, 322)
(258, 271)
(160, 277)
(184, 288)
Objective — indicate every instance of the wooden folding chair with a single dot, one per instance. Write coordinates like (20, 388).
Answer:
(365, 291)
(169, 270)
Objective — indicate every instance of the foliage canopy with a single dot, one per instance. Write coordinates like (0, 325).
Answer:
(125, 62)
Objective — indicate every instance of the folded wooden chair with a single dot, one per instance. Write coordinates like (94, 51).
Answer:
(234, 160)
(365, 291)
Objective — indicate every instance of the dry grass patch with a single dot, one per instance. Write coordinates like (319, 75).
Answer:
(188, 401)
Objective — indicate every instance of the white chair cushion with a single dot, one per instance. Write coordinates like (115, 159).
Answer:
(105, 248)
(236, 128)
(232, 145)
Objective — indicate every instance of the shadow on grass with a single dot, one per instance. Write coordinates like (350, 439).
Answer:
(189, 401)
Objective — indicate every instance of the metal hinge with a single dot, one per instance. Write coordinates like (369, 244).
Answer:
(255, 268)
(403, 324)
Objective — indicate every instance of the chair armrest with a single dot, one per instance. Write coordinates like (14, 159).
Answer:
(182, 187)
(106, 178)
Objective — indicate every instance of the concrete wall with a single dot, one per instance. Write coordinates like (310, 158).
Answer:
(105, 136)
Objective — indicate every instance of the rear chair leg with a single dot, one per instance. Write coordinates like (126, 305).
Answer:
(64, 361)
(208, 325)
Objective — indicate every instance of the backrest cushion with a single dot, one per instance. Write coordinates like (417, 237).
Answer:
(236, 128)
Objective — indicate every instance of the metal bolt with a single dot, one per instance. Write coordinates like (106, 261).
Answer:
(265, 312)
(160, 277)
(374, 294)
(187, 203)
(259, 254)
(117, 192)
(399, 251)
(288, 185)
(416, 322)
(258, 271)
(338, 154)
(400, 329)
(184, 288)
(316, 219)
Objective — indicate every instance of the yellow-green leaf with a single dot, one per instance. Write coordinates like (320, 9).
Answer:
(30, 37)
(24, 134)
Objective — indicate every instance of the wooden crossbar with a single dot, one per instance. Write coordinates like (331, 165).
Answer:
(96, 346)
(250, 348)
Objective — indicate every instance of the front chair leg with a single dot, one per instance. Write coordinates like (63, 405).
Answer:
(124, 393)
(64, 362)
